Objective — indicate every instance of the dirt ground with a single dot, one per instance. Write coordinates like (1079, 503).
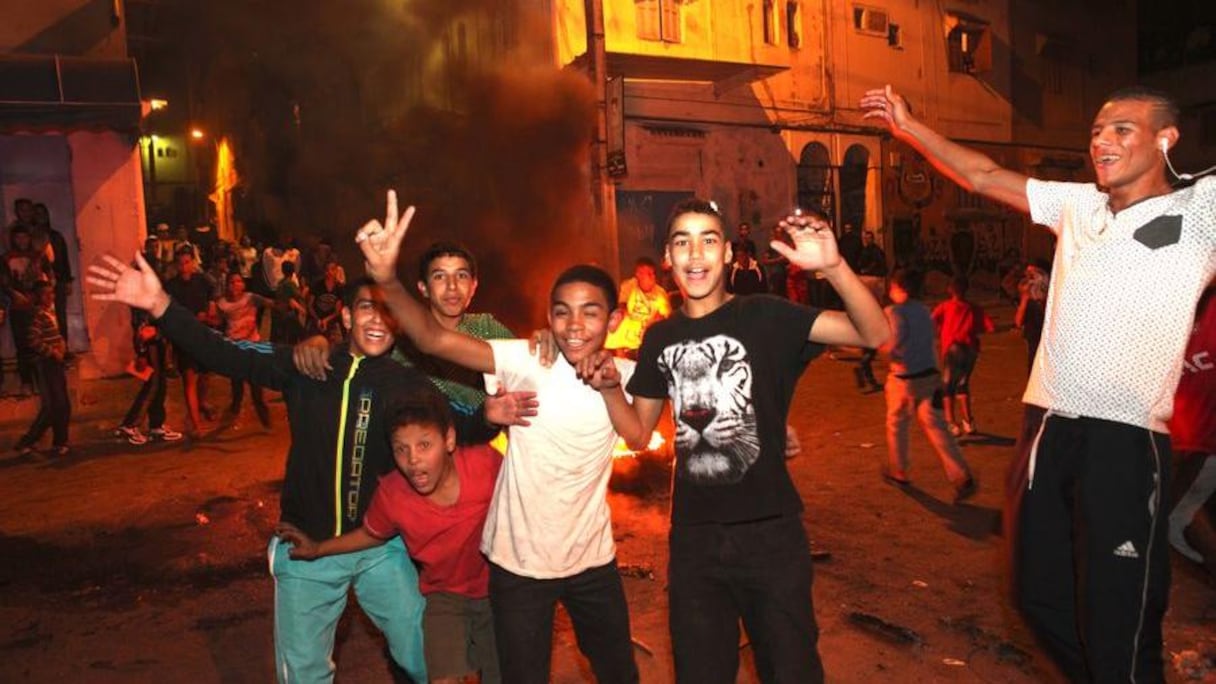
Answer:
(147, 564)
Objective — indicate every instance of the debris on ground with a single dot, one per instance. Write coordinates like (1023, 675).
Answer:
(641, 645)
(1198, 664)
(1004, 650)
(887, 631)
(639, 570)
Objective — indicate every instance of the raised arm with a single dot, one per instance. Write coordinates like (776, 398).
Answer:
(973, 170)
(381, 245)
(862, 323)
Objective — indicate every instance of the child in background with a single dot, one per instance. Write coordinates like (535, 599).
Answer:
(239, 311)
(1032, 309)
(437, 500)
(286, 326)
(49, 349)
(960, 324)
(914, 387)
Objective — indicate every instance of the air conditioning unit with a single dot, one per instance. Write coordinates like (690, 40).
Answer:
(871, 20)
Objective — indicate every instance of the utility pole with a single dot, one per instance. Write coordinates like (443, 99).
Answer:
(602, 191)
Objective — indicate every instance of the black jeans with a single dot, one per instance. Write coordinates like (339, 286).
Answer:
(54, 409)
(152, 391)
(758, 571)
(1093, 570)
(27, 360)
(523, 623)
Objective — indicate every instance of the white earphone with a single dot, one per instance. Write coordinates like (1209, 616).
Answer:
(1164, 144)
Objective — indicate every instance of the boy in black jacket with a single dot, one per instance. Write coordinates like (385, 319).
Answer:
(339, 449)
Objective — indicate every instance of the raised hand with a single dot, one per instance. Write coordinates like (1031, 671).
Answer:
(381, 242)
(511, 408)
(814, 243)
(135, 286)
(887, 106)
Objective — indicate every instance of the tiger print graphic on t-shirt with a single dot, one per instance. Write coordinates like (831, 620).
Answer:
(716, 439)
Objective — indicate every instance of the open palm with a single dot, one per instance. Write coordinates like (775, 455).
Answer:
(814, 243)
(135, 286)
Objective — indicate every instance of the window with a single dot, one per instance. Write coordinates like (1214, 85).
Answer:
(793, 24)
(769, 20)
(870, 20)
(968, 42)
(660, 20)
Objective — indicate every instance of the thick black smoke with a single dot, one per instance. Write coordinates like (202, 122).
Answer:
(329, 104)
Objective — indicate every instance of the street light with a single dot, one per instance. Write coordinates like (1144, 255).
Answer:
(197, 134)
(156, 104)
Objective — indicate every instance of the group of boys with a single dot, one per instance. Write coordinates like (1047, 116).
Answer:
(739, 548)
(1095, 466)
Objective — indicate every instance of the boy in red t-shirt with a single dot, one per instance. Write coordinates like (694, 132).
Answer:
(959, 326)
(436, 500)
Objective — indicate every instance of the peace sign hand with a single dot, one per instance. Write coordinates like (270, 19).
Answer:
(381, 242)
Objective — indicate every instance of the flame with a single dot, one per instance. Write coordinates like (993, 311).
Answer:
(623, 451)
(226, 179)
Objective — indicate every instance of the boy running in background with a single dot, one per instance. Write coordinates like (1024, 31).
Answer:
(548, 533)
(437, 500)
(49, 349)
(959, 325)
(914, 387)
(730, 366)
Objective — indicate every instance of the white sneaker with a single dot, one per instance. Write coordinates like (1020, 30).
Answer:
(968, 427)
(164, 433)
(955, 430)
(131, 434)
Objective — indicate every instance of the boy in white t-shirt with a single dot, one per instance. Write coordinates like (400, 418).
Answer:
(548, 533)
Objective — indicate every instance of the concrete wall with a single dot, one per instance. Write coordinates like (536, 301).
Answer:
(83, 28)
(108, 191)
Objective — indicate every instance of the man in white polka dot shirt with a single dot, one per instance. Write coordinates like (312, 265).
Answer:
(1132, 257)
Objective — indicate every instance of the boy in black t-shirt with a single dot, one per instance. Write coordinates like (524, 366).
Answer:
(730, 366)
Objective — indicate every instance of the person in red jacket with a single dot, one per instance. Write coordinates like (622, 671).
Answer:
(959, 325)
(1193, 438)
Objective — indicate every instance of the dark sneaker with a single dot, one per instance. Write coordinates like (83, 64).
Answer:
(966, 490)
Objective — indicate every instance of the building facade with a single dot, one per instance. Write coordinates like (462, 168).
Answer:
(754, 104)
(69, 121)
